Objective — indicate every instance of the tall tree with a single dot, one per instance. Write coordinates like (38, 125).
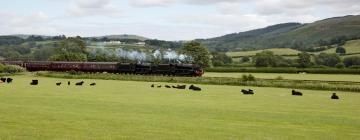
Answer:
(264, 59)
(71, 49)
(304, 59)
(327, 59)
(340, 50)
(219, 59)
(200, 55)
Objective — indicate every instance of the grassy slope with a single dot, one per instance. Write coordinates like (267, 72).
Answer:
(132, 110)
(323, 77)
(308, 34)
(277, 51)
(350, 46)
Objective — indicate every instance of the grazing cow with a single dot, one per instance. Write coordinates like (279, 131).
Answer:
(181, 87)
(34, 82)
(334, 96)
(296, 93)
(68, 83)
(195, 88)
(159, 86)
(58, 84)
(167, 86)
(93, 84)
(9, 80)
(152, 85)
(80, 83)
(3, 79)
(248, 92)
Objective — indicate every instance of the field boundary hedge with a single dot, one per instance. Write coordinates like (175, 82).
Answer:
(293, 84)
(284, 70)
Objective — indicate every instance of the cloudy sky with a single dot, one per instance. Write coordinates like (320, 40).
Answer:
(161, 19)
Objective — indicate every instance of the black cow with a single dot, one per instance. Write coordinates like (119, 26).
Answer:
(159, 86)
(80, 83)
(334, 96)
(9, 80)
(68, 83)
(58, 84)
(34, 82)
(181, 87)
(195, 88)
(93, 84)
(152, 85)
(167, 86)
(248, 92)
(296, 93)
(3, 79)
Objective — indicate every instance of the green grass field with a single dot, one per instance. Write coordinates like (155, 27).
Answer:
(350, 46)
(277, 51)
(133, 110)
(324, 77)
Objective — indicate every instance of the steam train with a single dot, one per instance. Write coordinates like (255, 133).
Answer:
(111, 67)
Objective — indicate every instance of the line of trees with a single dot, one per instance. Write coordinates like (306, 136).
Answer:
(305, 60)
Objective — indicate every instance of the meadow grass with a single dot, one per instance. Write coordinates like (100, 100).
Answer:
(323, 77)
(133, 110)
(350, 46)
(276, 51)
(283, 83)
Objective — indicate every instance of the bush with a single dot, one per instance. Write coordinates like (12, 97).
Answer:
(279, 78)
(248, 77)
(355, 67)
(353, 60)
(319, 70)
(11, 69)
(340, 65)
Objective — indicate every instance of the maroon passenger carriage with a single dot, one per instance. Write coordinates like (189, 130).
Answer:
(111, 67)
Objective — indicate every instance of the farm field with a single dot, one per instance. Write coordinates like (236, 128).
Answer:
(277, 51)
(133, 110)
(324, 77)
(350, 46)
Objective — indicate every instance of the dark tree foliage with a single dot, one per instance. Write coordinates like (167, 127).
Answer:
(200, 55)
(219, 59)
(264, 59)
(35, 38)
(327, 59)
(11, 40)
(163, 44)
(245, 59)
(71, 49)
(352, 61)
(304, 59)
(340, 50)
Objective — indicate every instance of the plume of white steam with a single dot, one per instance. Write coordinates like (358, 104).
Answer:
(168, 55)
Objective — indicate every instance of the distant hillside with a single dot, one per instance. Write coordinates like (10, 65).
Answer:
(124, 36)
(289, 35)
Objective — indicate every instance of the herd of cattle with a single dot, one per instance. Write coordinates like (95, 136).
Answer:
(191, 87)
(245, 92)
(36, 82)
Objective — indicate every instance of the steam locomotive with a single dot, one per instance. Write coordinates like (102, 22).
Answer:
(112, 67)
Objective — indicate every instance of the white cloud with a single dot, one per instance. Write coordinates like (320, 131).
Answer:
(33, 23)
(94, 8)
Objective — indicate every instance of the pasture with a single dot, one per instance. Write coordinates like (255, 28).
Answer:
(350, 46)
(133, 110)
(322, 77)
(276, 51)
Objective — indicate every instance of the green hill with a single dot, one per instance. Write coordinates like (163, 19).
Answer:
(290, 35)
(276, 51)
(124, 36)
(352, 47)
